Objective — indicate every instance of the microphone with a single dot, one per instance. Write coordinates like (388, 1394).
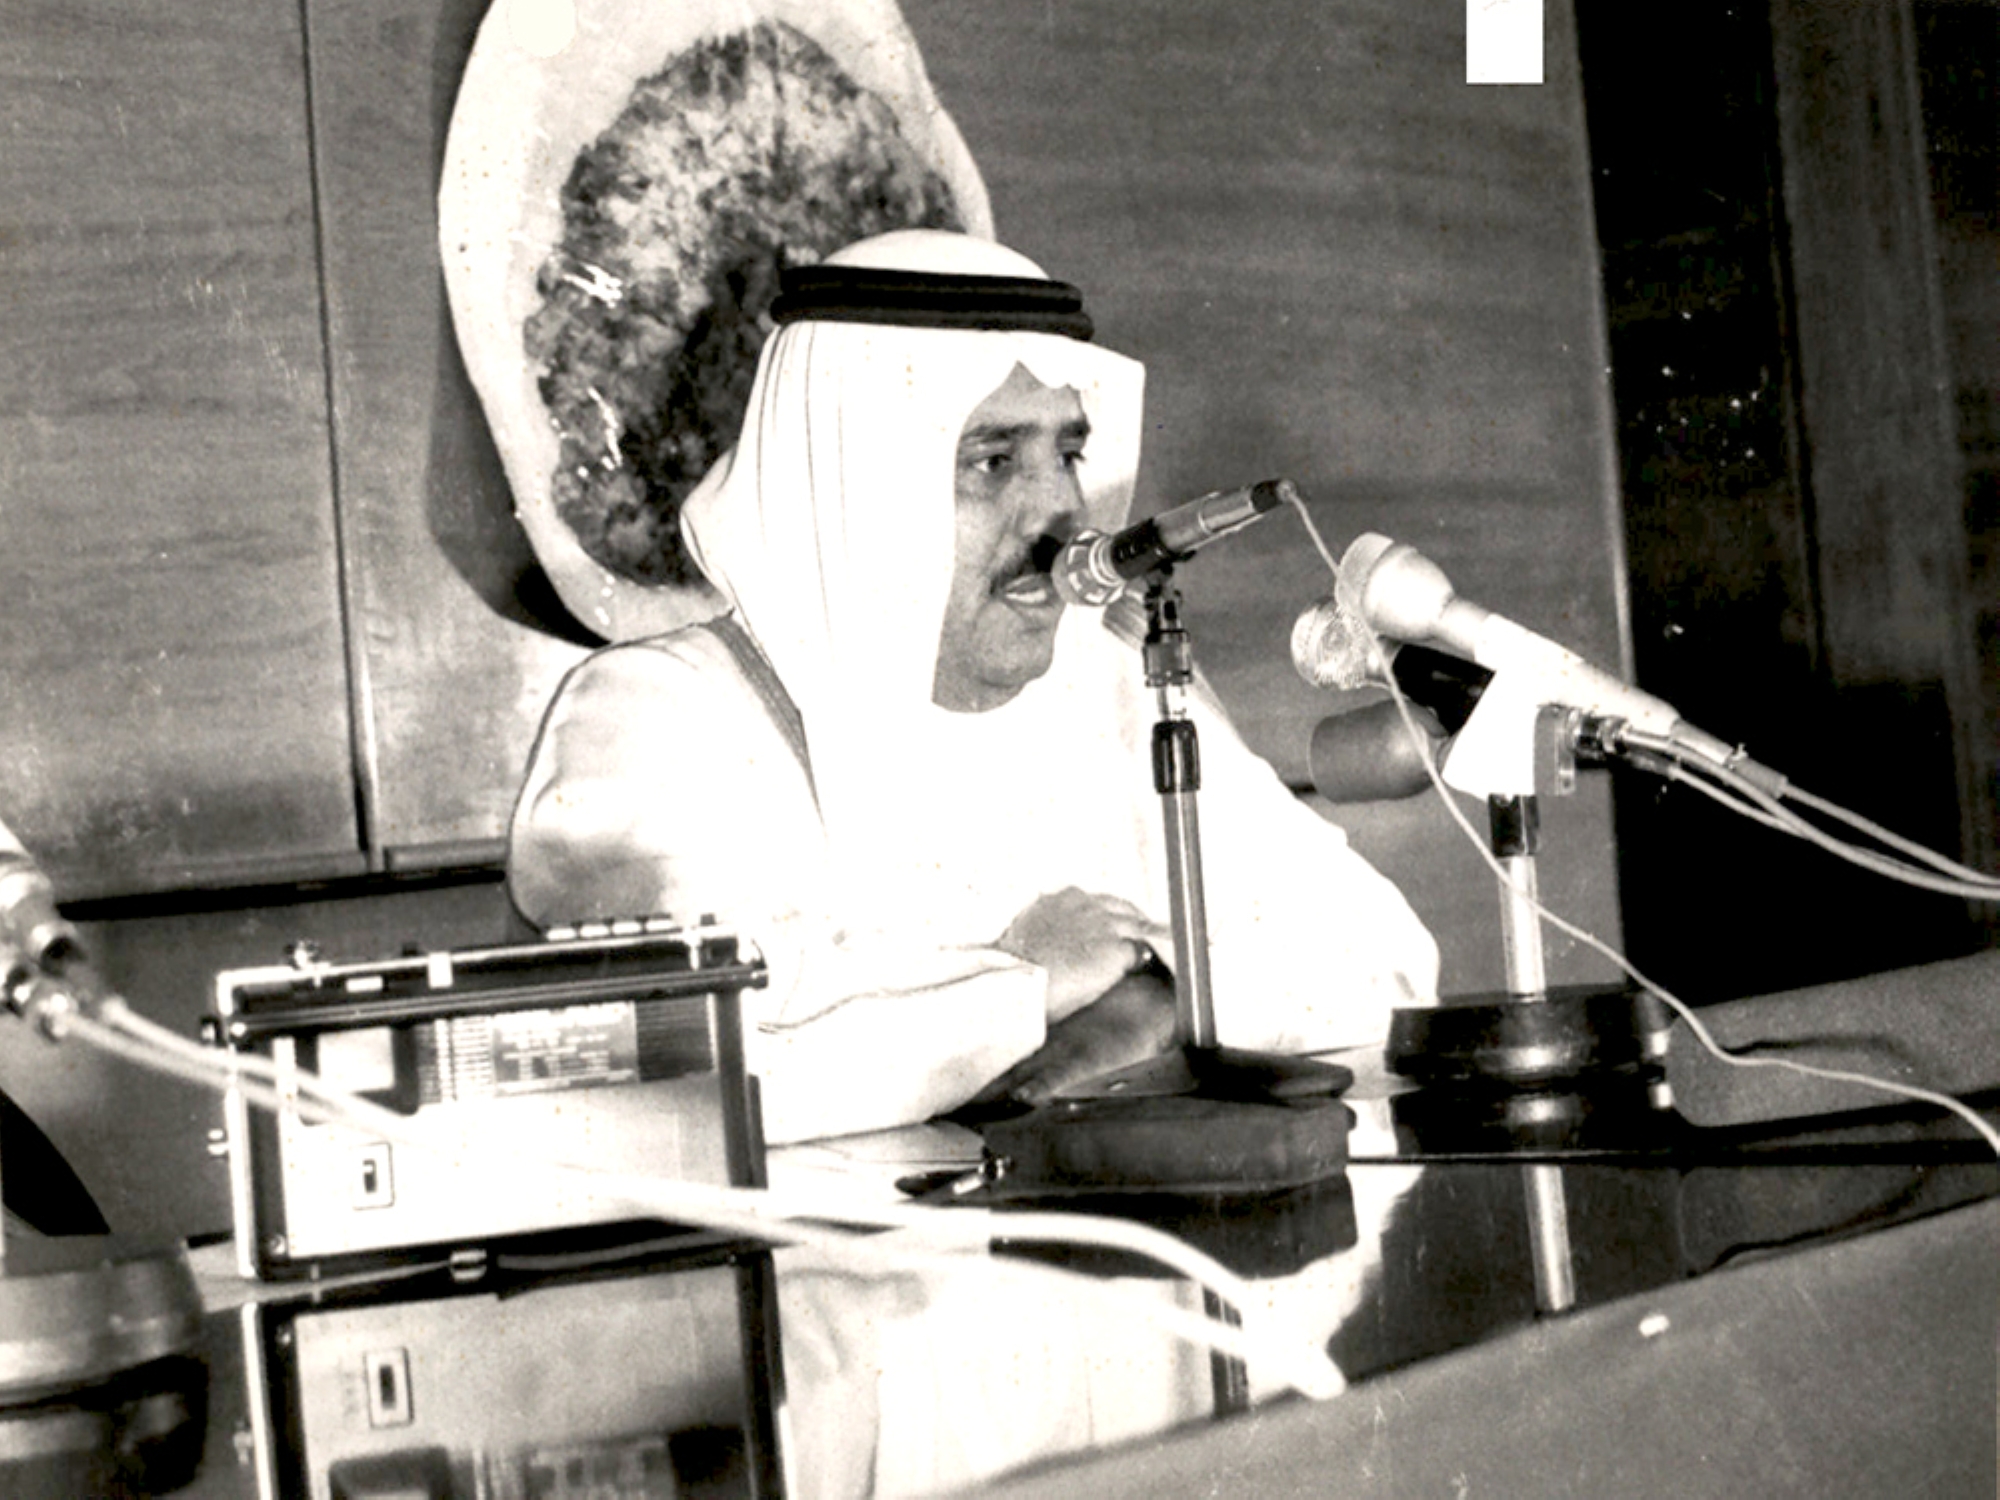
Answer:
(1094, 566)
(1396, 592)
(1367, 754)
(39, 949)
(32, 931)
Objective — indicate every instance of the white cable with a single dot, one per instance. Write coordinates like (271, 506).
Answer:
(1907, 846)
(963, 1228)
(1682, 775)
(1868, 859)
(1297, 501)
(340, 1105)
(1690, 770)
(917, 1237)
(1680, 1007)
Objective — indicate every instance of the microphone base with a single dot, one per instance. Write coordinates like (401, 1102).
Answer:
(1219, 1073)
(1527, 1042)
(1620, 1113)
(1193, 1120)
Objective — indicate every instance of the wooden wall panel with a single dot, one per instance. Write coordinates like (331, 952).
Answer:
(455, 661)
(1338, 260)
(1343, 264)
(173, 702)
(1958, 51)
(1876, 382)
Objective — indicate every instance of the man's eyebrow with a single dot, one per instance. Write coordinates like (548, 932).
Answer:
(1013, 432)
(997, 432)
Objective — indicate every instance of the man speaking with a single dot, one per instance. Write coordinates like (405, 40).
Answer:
(902, 766)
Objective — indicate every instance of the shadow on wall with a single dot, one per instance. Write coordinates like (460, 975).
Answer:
(470, 506)
(471, 509)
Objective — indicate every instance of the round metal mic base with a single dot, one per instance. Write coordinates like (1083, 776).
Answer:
(1574, 1032)
(1621, 1113)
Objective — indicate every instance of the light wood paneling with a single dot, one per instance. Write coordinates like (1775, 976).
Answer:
(173, 702)
(448, 603)
(1342, 264)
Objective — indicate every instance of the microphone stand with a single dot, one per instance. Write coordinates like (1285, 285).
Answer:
(1532, 1039)
(1514, 827)
(1535, 1067)
(1169, 662)
(1198, 1068)
(1198, 1065)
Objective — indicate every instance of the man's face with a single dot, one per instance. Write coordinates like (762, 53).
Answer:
(1016, 486)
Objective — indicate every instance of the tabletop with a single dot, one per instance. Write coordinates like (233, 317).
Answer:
(1528, 1265)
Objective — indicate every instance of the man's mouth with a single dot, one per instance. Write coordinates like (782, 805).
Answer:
(1027, 582)
(1030, 590)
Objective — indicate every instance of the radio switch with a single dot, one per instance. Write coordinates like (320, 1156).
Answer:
(387, 1372)
(374, 1181)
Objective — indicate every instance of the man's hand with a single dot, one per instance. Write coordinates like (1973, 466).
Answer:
(1087, 942)
(1132, 1022)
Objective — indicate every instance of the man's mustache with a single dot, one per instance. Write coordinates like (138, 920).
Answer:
(1039, 556)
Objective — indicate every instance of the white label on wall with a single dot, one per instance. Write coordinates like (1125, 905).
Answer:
(1503, 41)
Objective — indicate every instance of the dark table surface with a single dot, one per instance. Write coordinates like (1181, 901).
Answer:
(1783, 1296)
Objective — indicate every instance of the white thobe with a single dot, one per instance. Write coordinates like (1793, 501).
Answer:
(661, 783)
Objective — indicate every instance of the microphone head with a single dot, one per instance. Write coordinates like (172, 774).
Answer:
(1332, 646)
(1398, 591)
(1082, 574)
(1357, 566)
(1368, 755)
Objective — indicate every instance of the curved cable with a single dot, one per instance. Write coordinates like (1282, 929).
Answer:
(873, 1239)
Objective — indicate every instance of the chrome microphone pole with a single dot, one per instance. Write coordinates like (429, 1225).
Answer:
(1177, 777)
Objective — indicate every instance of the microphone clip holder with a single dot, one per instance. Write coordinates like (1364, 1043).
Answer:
(1534, 1039)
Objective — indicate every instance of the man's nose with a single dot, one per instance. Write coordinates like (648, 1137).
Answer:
(1052, 501)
